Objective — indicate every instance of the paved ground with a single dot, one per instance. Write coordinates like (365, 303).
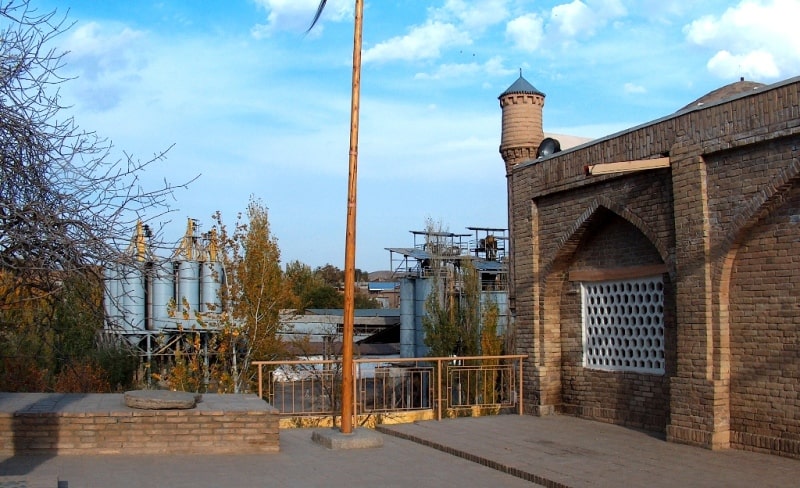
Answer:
(566, 451)
(301, 463)
(555, 450)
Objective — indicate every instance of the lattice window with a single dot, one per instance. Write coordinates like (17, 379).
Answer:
(623, 325)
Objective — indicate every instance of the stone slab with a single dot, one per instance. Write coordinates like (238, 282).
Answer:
(358, 439)
(160, 399)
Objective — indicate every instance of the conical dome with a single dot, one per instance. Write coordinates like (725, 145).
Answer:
(521, 86)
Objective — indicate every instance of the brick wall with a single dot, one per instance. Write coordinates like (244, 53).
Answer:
(765, 342)
(84, 429)
(723, 221)
(629, 398)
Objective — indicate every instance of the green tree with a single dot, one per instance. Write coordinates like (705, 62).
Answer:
(452, 321)
(453, 308)
(320, 288)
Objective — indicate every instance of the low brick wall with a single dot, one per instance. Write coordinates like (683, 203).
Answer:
(51, 423)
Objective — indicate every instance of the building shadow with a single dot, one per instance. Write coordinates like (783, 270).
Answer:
(33, 421)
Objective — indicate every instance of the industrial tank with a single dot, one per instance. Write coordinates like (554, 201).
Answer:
(162, 294)
(133, 298)
(211, 279)
(189, 286)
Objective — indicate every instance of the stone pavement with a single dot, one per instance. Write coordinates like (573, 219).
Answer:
(554, 450)
(563, 451)
(300, 463)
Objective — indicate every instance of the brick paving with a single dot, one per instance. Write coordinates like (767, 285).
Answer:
(564, 451)
(507, 450)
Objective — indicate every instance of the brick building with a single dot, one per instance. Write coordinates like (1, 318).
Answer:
(656, 271)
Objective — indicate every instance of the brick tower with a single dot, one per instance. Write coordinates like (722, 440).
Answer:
(522, 122)
(520, 137)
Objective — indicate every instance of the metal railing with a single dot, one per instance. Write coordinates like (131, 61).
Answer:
(313, 387)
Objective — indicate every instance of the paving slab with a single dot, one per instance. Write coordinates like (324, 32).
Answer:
(564, 451)
(300, 463)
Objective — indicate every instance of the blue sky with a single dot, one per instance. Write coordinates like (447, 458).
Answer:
(256, 107)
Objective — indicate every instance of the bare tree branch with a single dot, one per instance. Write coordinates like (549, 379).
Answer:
(67, 205)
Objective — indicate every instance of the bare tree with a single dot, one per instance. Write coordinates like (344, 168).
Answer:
(67, 204)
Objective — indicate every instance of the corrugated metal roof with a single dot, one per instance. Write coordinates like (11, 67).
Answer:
(411, 252)
(382, 285)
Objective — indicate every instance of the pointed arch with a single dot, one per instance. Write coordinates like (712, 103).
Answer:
(762, 204)
(568, 242)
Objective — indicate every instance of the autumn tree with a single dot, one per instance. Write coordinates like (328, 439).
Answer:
(254, 295)
(48, 341)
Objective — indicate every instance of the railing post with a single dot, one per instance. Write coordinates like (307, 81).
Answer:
(260, 383)
(519, 391)
(439, 388)
(356, 380)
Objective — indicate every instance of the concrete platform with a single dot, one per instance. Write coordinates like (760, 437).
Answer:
(333, 438)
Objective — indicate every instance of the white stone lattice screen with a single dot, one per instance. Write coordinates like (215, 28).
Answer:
(623, 325)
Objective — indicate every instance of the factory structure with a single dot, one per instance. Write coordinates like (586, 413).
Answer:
(442, 256)
(150, 300)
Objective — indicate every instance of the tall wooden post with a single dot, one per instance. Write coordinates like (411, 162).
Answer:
(350, 233)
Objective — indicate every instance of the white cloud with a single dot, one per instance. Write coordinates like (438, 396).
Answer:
(107, 58)
(473, 16)
(634, 88)
(296, 15)
(422, 42)
(526, 32)
(97, 48)
(492, 67)
(752, 65)
(755, 38)
(578, 19)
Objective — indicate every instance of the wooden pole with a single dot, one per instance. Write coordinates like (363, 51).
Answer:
(350, 233)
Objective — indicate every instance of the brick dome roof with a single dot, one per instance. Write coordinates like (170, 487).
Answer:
(727, 91)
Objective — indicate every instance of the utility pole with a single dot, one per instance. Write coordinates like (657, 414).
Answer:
(350, 232)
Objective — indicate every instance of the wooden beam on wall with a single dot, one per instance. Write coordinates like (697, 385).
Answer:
(623, 166)
(615, 274)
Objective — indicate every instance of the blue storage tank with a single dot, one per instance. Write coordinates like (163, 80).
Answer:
(133, 298)
(189, 287)
(162, 293)
(211, 279)
(112, 300)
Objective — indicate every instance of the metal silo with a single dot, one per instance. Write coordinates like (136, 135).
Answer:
(422, 288)
(186, 256)
(133, 298)
(189, 287)
(162, 286)
(407, 318)
(211, 278)
(112, 298)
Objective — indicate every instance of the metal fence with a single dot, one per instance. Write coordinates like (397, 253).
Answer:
(313, 387)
